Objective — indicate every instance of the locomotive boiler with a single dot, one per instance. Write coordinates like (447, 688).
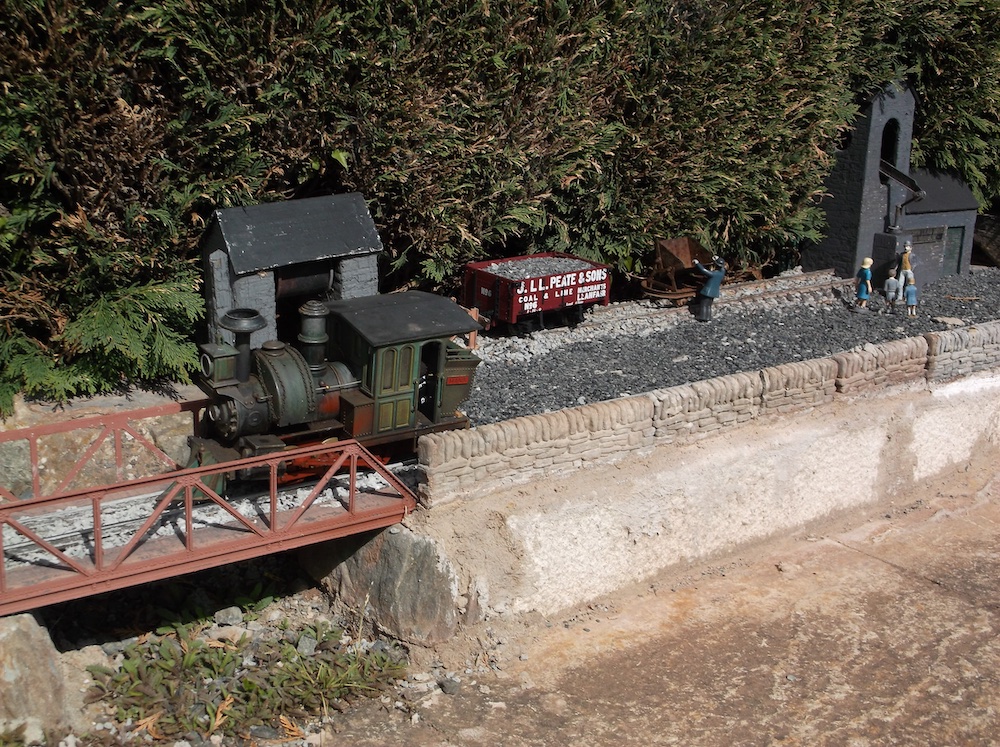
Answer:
(383, 370)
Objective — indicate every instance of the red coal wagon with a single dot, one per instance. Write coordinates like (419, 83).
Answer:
(530, 291)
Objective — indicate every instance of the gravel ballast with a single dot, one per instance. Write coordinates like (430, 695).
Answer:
(633, 353)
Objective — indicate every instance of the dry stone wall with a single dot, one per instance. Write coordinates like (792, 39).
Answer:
(963, 351)
(878, 366)
(464, 465)
(693, 410)
(798, 386)
(520, 450)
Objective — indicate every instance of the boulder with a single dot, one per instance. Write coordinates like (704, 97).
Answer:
(399, 580)
(32, 689)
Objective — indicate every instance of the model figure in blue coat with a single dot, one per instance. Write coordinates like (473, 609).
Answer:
(865, 282)
(711, 288)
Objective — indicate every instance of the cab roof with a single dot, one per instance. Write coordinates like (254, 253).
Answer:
(411, 316)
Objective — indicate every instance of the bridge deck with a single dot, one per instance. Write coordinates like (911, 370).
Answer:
(68, 545)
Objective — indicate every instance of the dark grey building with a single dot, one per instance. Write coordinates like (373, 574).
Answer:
(273, 257)
(875, 203)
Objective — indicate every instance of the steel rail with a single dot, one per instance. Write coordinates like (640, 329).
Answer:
(146, 557)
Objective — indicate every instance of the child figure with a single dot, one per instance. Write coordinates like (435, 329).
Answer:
(864, 282)
(910, 294)
(893, 291)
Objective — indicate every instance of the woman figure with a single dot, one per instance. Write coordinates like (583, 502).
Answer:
(864, 282)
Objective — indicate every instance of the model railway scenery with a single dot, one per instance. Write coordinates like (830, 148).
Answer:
(288, 445)
(265, 464)
(425, 373)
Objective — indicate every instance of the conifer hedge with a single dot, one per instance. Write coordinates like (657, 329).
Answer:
(475, 129)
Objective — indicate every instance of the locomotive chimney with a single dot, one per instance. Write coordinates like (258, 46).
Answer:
(242, 323)
(313, 336)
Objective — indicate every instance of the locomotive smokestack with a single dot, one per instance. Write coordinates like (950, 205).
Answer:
(242, 323)
(313, 336)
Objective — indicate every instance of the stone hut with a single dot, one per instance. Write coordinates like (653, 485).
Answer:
(875, 203)
(275, 256)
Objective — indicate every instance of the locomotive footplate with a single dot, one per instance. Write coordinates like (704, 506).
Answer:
(385, 446)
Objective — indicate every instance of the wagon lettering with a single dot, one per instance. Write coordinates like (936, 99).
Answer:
(590, 292)
(528, 303)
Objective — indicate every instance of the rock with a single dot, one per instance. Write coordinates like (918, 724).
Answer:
(449, 685)
(231, 633)
(168, 433)
(15, 468)
(229, 616)
(32, 689)
(401, 581)
(265, 733)
(306, 645)
(951, 321)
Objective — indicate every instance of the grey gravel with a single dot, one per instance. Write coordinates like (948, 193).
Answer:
(555, 369)
(522, 268)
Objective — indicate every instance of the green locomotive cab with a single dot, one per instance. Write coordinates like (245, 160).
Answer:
(413, 375)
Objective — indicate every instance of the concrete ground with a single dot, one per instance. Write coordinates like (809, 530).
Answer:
(881, 627)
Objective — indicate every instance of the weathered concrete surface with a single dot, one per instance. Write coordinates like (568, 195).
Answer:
(879, 628)
(557, 543)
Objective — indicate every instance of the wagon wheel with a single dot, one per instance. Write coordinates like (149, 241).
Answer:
(528, 324)
(573, 315)
(652, 288)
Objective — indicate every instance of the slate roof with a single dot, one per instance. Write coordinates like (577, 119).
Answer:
(278, 234)
(945, 194)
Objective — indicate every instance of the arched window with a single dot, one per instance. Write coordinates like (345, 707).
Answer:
(890, 145)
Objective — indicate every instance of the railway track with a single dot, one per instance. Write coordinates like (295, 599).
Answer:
(71, 530)
(818, 287)
(643, 317)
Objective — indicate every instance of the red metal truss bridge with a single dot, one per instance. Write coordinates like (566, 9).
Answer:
(61, 539)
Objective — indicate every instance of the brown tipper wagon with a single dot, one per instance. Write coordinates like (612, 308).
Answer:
(673, 277)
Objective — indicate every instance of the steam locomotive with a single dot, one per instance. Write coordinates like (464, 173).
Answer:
(382, 370)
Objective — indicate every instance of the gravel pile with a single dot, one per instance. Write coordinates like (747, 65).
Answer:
(532, 267)
(554, 369)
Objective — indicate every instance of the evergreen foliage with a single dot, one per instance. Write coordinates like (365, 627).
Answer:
(475, 129)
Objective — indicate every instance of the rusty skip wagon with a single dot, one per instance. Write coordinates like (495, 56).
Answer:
(530, 291)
